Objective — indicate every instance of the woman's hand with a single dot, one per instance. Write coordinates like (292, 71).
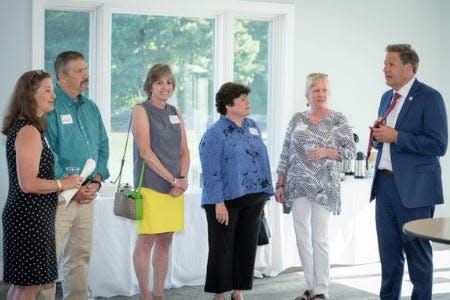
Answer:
(279, 194)
(71, 182)
(319, 153)
(181, 183)
(222, 214)
(176, 191)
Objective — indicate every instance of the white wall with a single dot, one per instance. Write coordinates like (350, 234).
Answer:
(345, 39)
(15, 58)
(347, 42)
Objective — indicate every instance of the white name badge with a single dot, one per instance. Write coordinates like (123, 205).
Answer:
(253, 130)
(301, 126)
(174, 119)
(66, 119)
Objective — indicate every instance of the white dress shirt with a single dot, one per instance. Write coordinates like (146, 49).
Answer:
(391, 119)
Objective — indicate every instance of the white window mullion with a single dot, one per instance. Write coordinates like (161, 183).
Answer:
(38, 35)
(224, 50)
(281, 83)
(101, 62)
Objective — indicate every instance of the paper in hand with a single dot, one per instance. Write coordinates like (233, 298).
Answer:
(88, 168)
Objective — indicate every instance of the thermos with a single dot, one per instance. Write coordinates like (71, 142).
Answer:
(360, 165)
(347, 166)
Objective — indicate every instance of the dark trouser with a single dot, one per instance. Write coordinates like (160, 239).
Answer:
(391, 215)
(232, 248)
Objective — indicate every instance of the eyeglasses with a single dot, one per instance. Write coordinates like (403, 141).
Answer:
(313, 75)
(37, 73)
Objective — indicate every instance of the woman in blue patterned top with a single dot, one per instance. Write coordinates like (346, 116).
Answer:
(308, 180)
(236, 184)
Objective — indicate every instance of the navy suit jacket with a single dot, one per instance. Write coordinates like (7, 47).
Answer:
(422, 138)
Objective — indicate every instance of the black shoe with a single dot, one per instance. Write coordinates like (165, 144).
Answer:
(307, 295)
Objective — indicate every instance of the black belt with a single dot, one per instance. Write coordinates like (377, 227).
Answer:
(388, 172)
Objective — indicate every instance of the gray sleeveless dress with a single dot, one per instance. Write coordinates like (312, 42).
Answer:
(161, 211)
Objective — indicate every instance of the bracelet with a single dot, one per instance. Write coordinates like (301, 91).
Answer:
(97, 182)
(279, 185)
(175, 182)
(181, 177)
(59, 185)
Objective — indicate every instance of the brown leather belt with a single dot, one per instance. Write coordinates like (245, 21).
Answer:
(388, 172)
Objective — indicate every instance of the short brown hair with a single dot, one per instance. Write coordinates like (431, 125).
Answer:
(63, 59)
(154, 74)
(227, 93)
(22, 104)
(407, 54)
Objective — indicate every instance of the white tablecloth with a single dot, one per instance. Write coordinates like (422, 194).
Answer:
(353, 241)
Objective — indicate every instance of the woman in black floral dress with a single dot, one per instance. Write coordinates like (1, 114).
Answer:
(29, 253)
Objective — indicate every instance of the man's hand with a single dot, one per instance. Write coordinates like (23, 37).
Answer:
(86, 193)
(384, 134)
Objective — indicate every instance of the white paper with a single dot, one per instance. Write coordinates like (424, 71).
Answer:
(67, 195)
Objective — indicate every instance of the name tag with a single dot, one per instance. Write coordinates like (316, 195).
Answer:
(66, 119)
(253, 130)
(301, 126)
(174, 119)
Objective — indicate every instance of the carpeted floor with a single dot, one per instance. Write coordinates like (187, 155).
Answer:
(359, 282)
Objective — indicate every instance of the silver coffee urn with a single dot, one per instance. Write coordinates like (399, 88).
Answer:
(347, 165)
(360, 166)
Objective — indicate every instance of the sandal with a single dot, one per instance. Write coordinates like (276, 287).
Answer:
(307, 295)
(320, 296)
(232, 297)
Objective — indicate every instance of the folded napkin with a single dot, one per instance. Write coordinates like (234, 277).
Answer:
(67, 195)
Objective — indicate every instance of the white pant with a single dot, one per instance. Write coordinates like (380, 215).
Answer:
(311, 224)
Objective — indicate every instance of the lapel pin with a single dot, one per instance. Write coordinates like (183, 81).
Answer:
(410, 98)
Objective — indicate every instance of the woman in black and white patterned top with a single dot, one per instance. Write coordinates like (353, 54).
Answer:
(29, 252)
(308, 179)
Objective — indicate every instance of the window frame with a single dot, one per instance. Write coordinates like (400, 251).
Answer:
(281, 57)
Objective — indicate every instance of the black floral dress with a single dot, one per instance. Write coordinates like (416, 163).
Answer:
(29, 252)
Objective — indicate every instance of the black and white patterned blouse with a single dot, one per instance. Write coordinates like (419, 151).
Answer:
(319, 180)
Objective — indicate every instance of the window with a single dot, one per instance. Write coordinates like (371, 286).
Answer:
(65, 30)
(251, 59)
(242, 42)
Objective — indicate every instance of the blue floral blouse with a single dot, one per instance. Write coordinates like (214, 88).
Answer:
(234, 162)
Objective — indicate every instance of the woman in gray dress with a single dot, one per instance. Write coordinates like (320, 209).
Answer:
(159, 143)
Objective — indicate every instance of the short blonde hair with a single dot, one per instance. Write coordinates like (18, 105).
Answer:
(313, 78)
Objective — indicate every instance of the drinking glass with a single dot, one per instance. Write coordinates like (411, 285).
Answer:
(71, 170)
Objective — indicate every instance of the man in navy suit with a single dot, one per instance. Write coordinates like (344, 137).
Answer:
(407, 185)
